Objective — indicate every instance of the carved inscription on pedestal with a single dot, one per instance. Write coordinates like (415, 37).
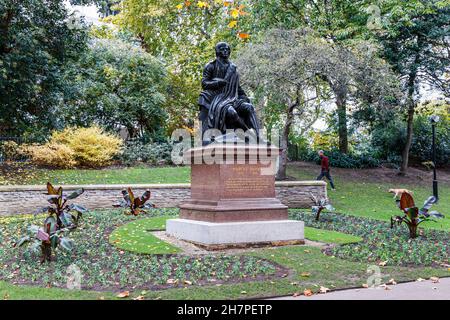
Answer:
(247, 179)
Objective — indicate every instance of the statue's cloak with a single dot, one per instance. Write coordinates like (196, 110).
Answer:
(227, 96)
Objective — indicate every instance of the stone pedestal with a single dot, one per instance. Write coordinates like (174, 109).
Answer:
(233, 201)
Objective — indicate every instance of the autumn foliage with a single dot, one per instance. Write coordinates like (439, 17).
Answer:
(76, 147)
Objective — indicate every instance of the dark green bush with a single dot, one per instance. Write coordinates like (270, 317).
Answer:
(150, 153)
(388, 141)
(421, 148)
(340, 160)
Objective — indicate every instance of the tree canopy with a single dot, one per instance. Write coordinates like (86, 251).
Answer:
(117, 84)
(36, 41)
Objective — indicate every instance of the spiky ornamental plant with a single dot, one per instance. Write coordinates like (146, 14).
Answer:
(135, 205)
(61, 220)
(319, 205)
(414, 216)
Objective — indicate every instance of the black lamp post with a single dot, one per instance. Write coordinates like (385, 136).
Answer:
(434, 120)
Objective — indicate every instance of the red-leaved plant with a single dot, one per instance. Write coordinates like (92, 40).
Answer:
(414, 216)
(62, 218)
(135, 205)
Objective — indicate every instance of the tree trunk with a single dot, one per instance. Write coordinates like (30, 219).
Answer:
(410, 121)
(342, 122)
(281, 174)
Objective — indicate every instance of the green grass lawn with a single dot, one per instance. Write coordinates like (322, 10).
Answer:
(368, 199)
(136, 237)
(135, 175)
(13, 292)
(327, 236)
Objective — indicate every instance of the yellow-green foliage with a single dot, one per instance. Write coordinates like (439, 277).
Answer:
(10, 150)
(324, 141)
(51, 154)
(77, 147)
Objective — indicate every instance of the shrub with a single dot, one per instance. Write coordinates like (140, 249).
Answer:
(324, 140)
(341, 160)
(152, 153)
(421, 148)
(389, 139)
(55, 155)
(72, 147)
(92, 146)
(9, 150)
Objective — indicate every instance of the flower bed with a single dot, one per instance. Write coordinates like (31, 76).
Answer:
(105, 267)
(382, 244)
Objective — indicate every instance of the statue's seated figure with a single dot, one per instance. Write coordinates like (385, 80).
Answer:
(223, 103)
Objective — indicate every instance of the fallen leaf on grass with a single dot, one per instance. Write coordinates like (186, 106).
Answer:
(434, 279)
(324, 290)
(392, 282)
(305, 274)
(308, 293)
(420, 280)
(124, 294)
(243, 292)
(172, 281)
(365, 285)
(138, 298)
(307, 251)
(188, 282)
(383, 263)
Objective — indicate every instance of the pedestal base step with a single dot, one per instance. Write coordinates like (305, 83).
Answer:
(215, 236)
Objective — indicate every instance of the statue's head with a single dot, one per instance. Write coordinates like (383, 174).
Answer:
(223, 50)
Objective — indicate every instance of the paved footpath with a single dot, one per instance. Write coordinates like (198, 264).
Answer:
(423, 290)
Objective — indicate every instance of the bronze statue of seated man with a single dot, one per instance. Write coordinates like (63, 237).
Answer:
(223, 103)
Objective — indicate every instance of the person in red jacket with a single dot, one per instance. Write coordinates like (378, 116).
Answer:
(325, 171)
